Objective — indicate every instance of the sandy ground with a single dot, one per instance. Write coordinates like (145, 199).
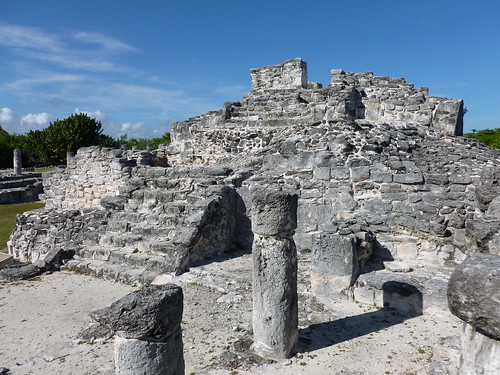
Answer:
(40, 320)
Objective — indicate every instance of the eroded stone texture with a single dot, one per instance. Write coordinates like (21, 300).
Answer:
(147, 325)
(334, 264)
(152, 312)
(20, 188)
(274, 287)
(474, 293)
(480, 353)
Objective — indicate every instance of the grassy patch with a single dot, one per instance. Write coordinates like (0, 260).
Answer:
(45, 169)
(8, 214)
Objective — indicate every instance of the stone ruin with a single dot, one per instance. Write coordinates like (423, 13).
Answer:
(390, 198)
(18, 187)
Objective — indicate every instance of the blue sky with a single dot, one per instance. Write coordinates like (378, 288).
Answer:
(138, 66)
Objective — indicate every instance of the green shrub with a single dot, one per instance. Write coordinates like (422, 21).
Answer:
(490, 137)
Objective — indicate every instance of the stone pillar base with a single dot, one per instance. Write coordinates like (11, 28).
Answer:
(165, 357)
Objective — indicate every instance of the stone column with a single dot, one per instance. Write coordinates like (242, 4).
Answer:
(474, 296)
(18, 166)
(70, 158)
(275, 309)
(147, 327)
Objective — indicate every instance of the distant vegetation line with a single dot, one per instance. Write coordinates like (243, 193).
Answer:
(49, 146)
(490, 137)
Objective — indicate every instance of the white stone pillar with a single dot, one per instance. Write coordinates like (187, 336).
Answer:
(18, 166)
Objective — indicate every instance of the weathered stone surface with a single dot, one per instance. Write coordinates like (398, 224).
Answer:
(274, 278)
(366, 153)
(20, 188)
(334, 264)
(113, 203)
(18, 166)
(474, 293)
(165, 357)
(275, 300)
(152, 312)
(20, 272)
(480, 353)
(273, 212)
(397, 266)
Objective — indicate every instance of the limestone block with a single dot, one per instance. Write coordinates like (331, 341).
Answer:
(360, 173)
(480, 353)
(291, 74)
(474, 292)
(334, 264)
(409, 178)
(154, 312)
(273, 212)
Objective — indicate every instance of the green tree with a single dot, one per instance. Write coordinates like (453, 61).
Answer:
(70, 134)
(6, 149)
(143, 143)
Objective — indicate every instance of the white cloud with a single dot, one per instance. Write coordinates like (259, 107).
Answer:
(36, 120)
(13, 123)
(60, 49)
(138, 130)
(8, 118)
(98, 115)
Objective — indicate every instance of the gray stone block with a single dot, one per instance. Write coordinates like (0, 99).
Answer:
(152, 312)
(273, 212)
(474, 293)
(409, 178)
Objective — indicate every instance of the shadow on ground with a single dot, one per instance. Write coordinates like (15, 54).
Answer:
(322, 335)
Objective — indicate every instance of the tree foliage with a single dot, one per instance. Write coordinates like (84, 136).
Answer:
(144, 143)
(70, 134)
(490, 137)
(49, 146)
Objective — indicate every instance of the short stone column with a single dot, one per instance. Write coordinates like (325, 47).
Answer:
(275, 308)
(147, 327)
(474, 296)
(18, 165)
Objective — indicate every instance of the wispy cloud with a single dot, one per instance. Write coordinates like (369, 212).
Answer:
(94, 52)
(86, 70)
(22, 37)
(104, 41)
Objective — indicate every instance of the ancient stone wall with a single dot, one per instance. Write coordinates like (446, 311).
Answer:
(368, 154)
(395, 101)
(292, 74)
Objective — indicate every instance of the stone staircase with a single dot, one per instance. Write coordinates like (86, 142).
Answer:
(162, 226)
